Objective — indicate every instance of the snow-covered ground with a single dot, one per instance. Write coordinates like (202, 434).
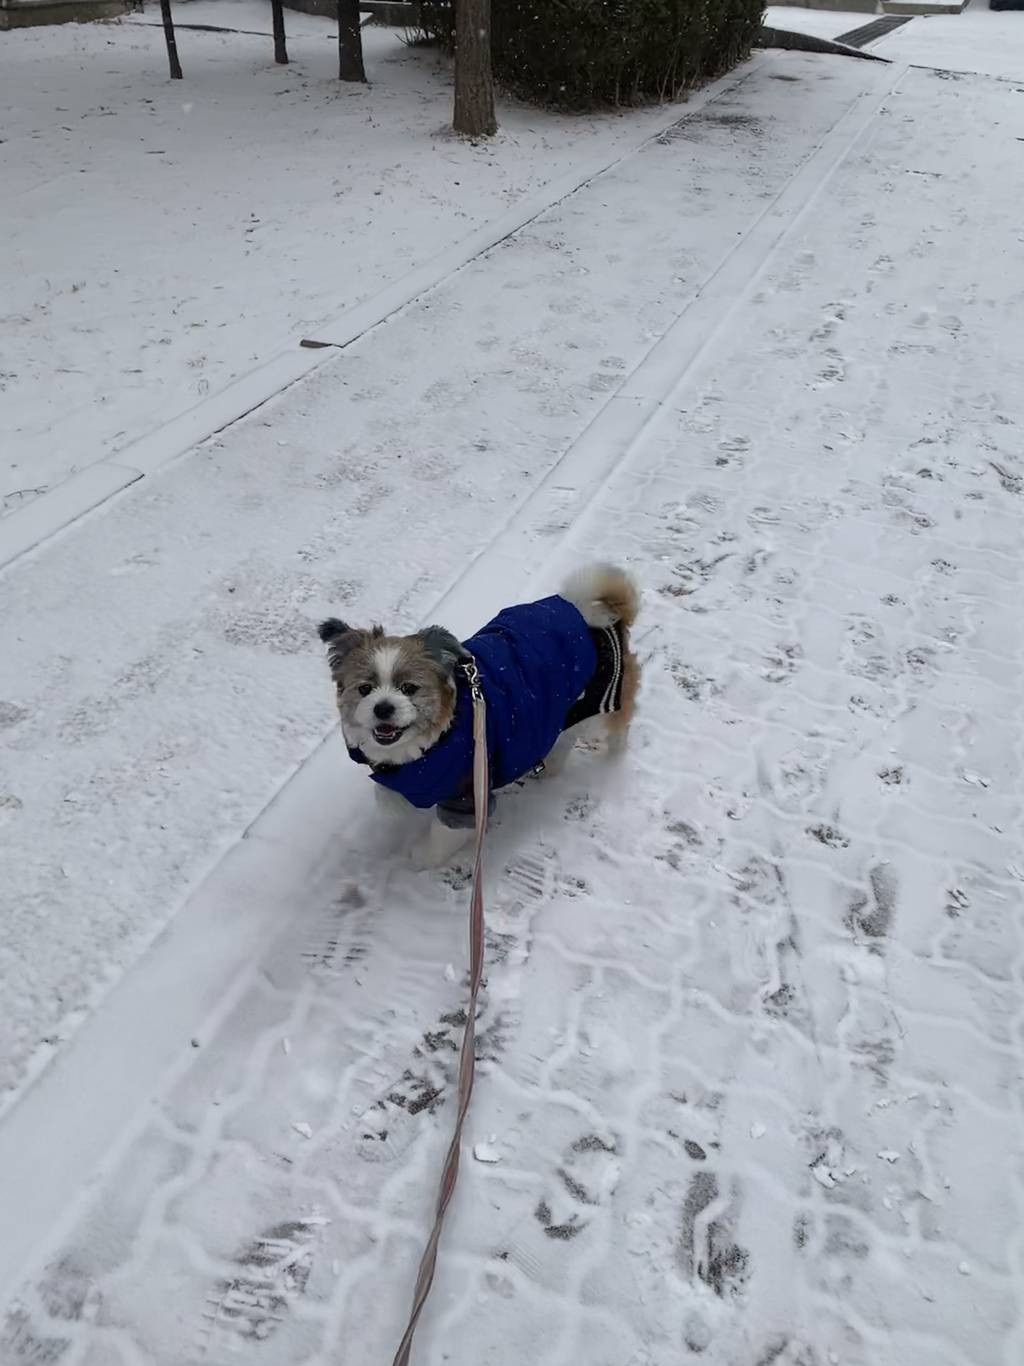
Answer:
(822, 23)
(979, 40)
(752, 1038)
(164, 238)
(976, 40)
(187, 608)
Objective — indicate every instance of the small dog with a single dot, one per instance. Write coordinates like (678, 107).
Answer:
(550, 671)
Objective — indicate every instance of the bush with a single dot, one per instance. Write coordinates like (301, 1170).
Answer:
(585, 53)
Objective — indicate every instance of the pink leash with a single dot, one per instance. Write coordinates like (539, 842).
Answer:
(467, 1058)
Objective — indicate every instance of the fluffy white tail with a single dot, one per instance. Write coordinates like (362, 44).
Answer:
(604, 595)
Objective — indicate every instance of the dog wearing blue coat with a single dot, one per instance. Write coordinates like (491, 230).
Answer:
(551, 671)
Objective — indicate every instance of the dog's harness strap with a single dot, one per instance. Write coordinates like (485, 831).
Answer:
(467, 1058)
(603, 694)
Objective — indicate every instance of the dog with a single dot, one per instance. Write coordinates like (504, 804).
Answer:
(551, 671)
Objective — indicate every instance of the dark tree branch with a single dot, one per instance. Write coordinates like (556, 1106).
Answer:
(172, 45)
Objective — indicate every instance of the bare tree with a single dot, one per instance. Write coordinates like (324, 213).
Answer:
(280, 50)
(169, 38)
(350, 42)
(474, 87)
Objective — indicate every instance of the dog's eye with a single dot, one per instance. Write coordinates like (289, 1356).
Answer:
(365, 689)
(410, 689)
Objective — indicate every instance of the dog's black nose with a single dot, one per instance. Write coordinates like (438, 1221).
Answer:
(384, 711)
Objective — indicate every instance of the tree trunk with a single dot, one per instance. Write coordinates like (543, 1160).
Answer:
(280, 50)
(350, 42)
(474, 88)
(172, 45)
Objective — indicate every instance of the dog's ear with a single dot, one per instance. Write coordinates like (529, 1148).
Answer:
(332, 628)
(443, 648)
(341, 639)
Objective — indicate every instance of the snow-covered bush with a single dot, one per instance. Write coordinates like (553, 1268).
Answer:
(587, 53)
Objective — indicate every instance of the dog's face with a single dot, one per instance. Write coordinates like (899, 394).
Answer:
(395, 694)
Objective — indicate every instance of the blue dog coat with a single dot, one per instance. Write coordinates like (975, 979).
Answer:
(539, 670)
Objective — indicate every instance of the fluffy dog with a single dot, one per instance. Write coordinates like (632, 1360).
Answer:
(549, 671)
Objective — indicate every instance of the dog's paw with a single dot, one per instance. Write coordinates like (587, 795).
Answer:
(438, 846)
(423, 855)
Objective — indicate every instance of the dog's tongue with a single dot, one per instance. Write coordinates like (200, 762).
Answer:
(385, 731)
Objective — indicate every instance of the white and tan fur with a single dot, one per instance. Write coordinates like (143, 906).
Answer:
(396, 694)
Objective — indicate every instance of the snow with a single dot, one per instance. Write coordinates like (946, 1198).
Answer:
(218, 220)
(154, 725)
(488, 1153)
(750, 1050)
(978, 40)
(821, 23)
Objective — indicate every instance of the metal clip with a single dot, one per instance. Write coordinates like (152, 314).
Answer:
(473, 676)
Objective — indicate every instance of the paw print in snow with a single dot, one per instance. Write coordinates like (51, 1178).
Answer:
(782, 663)
(587, 1177)
(580, 808)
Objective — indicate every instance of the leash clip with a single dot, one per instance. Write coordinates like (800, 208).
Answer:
(473, 677)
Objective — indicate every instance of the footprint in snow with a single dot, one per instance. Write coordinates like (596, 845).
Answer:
(707, 1248)
(339, 940)
(391, 1123)
(250, 1306)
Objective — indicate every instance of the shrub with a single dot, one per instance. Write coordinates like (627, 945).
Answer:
(584, 53)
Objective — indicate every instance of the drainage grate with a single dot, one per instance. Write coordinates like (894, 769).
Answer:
(878, 28)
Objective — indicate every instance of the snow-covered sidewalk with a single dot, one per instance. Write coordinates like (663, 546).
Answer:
(752, 1050)
(185, 685)
(167, 240)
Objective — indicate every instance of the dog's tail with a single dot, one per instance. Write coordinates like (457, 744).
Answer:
(604, 595)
